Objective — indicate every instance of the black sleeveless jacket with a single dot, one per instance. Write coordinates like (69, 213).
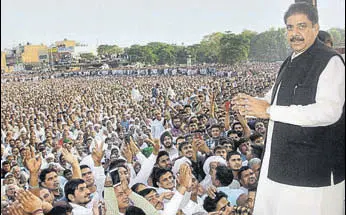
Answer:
(306, 156)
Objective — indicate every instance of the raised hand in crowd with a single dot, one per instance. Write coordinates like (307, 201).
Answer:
(98, 153)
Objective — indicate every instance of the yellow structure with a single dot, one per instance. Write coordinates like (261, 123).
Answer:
(31, 53)
(3, 62)
(66, 43)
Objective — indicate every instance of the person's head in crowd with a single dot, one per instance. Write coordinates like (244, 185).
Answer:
(10, 191)
(222, 176)
(187, 109)
(179, 140)
(218, 203)
(15, 151)
(67, 174)
(46, 195)
(257, 139)
(158, 115)
(87, 175)
(215, 131)
(151, 195)
(10, 158)
(256, 151)
(203, 119)
(163, 160)
(326, 38)
(242, 200)
(166, 139)
(220, 150)
(137, 167)
(227, 143)
(238, 128)
(49, 179)
(234, 160)
(10, 179)
(133, 210)
(138, 187)
(6, 166)
(255, 165)
(76, 192)
(193, 126)
(302, 26)
(186, 150)
(164, 178)
(260, 128)
(243, 145)
(233, 135)
(247, 178)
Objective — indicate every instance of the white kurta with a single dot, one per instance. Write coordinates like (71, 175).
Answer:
(280, 199)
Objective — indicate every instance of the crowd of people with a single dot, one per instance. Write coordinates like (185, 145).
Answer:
(173, 140)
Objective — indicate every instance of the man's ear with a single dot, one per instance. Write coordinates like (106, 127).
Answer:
(316, 27)
(70, 197)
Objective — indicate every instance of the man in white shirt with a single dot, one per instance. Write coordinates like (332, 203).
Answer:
(305, 148)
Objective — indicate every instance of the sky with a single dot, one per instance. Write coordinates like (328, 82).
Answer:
(129, 22)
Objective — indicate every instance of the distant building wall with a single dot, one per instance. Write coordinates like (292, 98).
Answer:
(32, 53)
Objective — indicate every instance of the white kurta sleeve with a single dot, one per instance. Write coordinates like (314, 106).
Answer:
(330, 98)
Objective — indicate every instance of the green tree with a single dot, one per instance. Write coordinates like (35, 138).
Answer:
(108, 50)
(87, 56)
(233, 48)
(338, 35)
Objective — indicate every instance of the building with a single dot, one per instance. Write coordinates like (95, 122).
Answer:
(35, 54)
(4, 67)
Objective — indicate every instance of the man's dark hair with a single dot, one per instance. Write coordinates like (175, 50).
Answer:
(83, 166)
(146, 191)
(325, 37)
(236, 123)
(5, 162)
(161, 153)
(71, 186)
(218, 147)
(44, 172)
(133, 210)
(237, 143)
(214, 126)
(209, 204)
(224, 175)
(255, 136)
(257, 151)
(302, 8)
(181, 145)
(67, 171)
(231, 153)
(117, 163)
(242, 169)
(158, 173)
(61, 208)
(135, 186)
(232, 132)
(225, 140)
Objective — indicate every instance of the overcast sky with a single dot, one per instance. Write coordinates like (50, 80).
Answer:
(129, 22)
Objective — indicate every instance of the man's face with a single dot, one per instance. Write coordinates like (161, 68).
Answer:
(166, 181)
(238, 127)
(46, 196)
(235, 162)
(256, 169)
(165, 162)
(122, 198)
(248, 179)
(215, 132)
(224, 206)
(51, 181)
(229, 147)
(244, 147)
(68, 176)
(176, 123)
(301, 33)
(81, 195)
(167, 142)
(193, 127)
(259, 127)
(221, 152)
(187, 150)
(154, 199)
(6, 167)
(234, 136)
(88, 176)
(11, 190)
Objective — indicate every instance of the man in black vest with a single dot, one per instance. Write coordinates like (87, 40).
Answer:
(304, 159)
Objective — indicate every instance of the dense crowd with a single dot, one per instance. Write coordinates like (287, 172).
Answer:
(171, 139)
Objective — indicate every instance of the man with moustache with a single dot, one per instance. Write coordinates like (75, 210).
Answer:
(305, 147)
(167, 145)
